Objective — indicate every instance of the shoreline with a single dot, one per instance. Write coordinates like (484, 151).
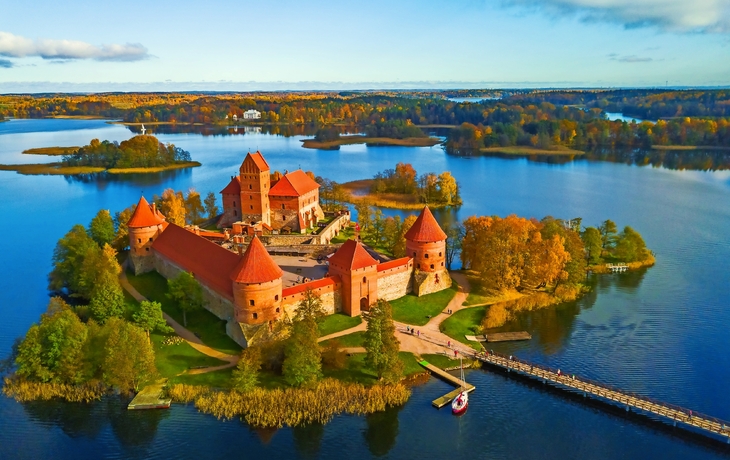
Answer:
(689, 147)
(51, 151)
(370, 142)
(385, 200)
(57, 169)
(527, 151)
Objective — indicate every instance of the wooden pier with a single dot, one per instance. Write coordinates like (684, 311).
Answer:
(150, 398)
(448, 397)
(639, 404)
(508, 336)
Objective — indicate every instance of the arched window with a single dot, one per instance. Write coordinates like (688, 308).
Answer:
(255, 315)
(276, 298)
(414, 254)
(277, 309)
(364, 279)
(250, 187)
(431, 266)
(425, 255)
(251, 302)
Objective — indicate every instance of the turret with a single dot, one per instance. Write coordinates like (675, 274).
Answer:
(359, 273)
(146, 224)
(426, 244)
(257, 284)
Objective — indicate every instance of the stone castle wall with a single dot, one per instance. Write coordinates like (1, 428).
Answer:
(430, 282)
(332, 229)
(142, 263)
(394, 283)
(331, 299)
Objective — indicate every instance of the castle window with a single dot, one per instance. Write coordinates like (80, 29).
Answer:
(414, 255)
(250, 197)
(283, 206)
(255, 315)
(431, 266)
(364, 279)
(439, 254)
(426, 255)
(234, 204)
(442, 264)
(251, 206)
(277, 309)
(251, 302)
(250, 187)
(150, 239)
(283, 217)
(235, 213)
(139, 240)
(276, 298)
(147, 249)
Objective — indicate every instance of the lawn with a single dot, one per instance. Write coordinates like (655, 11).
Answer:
(443, 361)
(336, 323)
(346, 234)
(356, 339)
(172, 360)
(207, 326)
(356, 371)
(464, 322)
(217, 379)
(417, 310)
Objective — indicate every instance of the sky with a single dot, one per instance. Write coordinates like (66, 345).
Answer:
(161, 45)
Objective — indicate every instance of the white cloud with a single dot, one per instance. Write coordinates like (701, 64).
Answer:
(20, 47)
(707, 16)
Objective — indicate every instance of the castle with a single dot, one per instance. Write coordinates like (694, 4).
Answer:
(247, 290)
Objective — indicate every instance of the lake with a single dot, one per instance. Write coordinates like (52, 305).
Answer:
(661, 332)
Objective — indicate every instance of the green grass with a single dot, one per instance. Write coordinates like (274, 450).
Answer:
(336, 323)
(355, 370)
(217, 379)
(356, 339)
(346, 234)
(415, 310)
(464, 322)
(442, 361)
(475, 299)
(210, 329)
(172, 360)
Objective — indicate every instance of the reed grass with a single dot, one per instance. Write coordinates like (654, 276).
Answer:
(276, 408)
(24, 390)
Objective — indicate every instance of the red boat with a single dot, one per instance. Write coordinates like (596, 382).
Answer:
(461, 402)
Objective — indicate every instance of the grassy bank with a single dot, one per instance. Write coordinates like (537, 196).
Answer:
(51, 151)
(417, 311)
(370, 141)
(523, 150)
(50, 169)
(464, 322)
(336, 323)
(359, 190)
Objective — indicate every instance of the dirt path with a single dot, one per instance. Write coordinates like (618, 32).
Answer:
(186, 334)
(360, 327)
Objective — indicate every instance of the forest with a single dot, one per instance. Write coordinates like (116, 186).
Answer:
(142, 151)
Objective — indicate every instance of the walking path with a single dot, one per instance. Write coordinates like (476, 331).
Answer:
(184, 333)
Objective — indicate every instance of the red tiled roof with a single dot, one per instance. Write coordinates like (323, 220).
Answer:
(212, 235)
(256, 265)
(299, 288)
(233, 187)
(425, 229)
(258, 160)
(294, 184)
(393, 264)
(144, 216)
(352, 255)
(210, 264)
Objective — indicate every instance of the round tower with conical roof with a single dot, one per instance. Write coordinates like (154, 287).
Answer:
(146, 224)
(426, 244)
(257, 285)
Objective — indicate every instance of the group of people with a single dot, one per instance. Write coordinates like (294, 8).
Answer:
(412, 331)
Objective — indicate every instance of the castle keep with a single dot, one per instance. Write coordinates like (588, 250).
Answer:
(247, 290)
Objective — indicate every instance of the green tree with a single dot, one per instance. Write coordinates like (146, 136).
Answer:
(310, 307)
(101, 228)
(210, 208)
(246, 375)
(454, 232)
(193, 207)
(364, 218)
(129, 358)
(99, 266)
(630, 246)
(608, 235)
(187, 292)
(68, 257)
(302, 355)
(107, 300)
(52, 351)
(593, 244)
(121, 236)
(381, 343)
(399, 249)
(149, 318)
(378, 228)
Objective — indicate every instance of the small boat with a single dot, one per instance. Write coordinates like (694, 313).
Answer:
(461, 402)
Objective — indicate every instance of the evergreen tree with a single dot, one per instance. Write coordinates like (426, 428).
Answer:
(303, 358)
(454, 232)
(381, 344)
(149, 318)
(121, 237)
(101, 228)
(186, 291)
(246, 374)
(107, 300)
(608, 235)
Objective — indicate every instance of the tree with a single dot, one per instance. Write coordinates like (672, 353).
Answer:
(246, 375)
(630, 246)
(129, 358)
(303, 357)
(378, 227)
(210, 208)
(172, 205)
(68, 257)
(381, 344)
(107, 300)
(52, 351)
(101, 228)
(193, 207)
(593, 243)
(392, 233)
(310, 307)
(454, 232)
(448, 189)
(608, 235)
(121, 237)
(187, 292)
(149, 318)
(364, 217)
(399, 248)
(99, 266)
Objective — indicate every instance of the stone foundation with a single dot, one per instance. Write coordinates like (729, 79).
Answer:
(395, 283)
(426, 282)
(141, 264)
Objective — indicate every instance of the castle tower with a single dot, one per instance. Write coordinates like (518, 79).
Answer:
(359, 273)
(255, 183)
(256, 286)
(146, 224)
(426, 244)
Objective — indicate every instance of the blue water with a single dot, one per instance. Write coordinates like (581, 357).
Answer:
(661, 332)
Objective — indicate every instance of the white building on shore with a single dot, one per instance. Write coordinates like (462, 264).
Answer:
(251, 115)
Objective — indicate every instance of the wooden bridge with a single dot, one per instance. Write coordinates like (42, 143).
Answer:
(617, 267)
(675, 415)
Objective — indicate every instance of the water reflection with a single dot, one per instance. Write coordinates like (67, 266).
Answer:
(308, 439)
(382, 431)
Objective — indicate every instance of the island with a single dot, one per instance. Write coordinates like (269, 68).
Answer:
(140, 154)
(383, 133)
